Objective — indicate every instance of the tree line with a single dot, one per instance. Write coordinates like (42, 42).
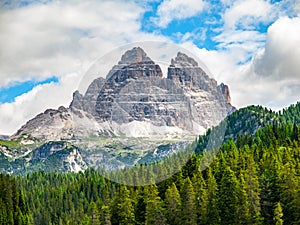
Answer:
(253, 180)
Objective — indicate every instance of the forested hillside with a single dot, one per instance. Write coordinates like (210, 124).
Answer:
(249, 119)
(246, 121)
(13, 207)
(254, 179)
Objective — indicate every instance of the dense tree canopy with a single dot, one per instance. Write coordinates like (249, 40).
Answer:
(254, 179)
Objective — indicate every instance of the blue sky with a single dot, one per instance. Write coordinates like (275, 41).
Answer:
(48, 45)
(204, 25)
(9, 93)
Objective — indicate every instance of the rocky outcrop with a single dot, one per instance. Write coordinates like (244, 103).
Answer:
(210, 102)
(50, 125)
(87, 102)
(134, 66)
(135, 92)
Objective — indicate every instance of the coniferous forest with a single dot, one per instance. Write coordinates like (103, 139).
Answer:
(254, 179)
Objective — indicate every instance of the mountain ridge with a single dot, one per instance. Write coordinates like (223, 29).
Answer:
(243, 123)
(187, 102)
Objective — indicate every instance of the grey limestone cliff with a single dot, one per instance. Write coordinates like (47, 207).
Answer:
(135, 90)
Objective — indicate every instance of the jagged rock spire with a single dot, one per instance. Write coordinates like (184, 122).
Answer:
(182, 60)
(135, 55)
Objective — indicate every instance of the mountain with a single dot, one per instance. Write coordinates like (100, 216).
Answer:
(134, 115)
(135, 100)
(22, 157)
(256, 183)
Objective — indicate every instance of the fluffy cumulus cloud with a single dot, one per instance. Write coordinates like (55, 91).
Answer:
(280, 58)
(277, 65)
(240, 21)
(247, 13)
(27, 105)
(170, 10)
(55, 38)
(59, 37)
(272, 77)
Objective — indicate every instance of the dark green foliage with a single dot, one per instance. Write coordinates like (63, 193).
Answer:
(243, 185)
(228, 197)
(188, 199)
(13, 207)
(278, 214)
(173, 205)
(254, 179)
(154, 208)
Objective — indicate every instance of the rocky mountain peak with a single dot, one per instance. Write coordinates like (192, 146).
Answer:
(135, 55)
(135, 99)
(182, 60)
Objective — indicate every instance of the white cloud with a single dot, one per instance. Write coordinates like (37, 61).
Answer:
(272, 78)
(59, 38)
(170, 10)
(246, 42)
(280, 59)
(239, 36)
(246, 13)
(28, 105)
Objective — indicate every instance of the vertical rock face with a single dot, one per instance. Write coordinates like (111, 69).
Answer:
(135, 91)
(209, 102)
(186, 72)
(134, 65)
(87, 102)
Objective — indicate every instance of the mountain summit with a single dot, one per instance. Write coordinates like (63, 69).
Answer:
(135, 100)
(182, 60)
(135, 55)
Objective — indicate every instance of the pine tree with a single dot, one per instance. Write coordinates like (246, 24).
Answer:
(125, 207)
(269, 180)
(278, 214)
(105, 215)
(213, 213)
(201, 197)
(290, 187)
(228, 200)
(253, 190)
(243, 203)
(85, 220)
(140, 206)
(173, 205)
(94, 214)
(188, 199)
(154, 208)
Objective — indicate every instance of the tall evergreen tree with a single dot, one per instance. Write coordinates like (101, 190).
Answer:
(243, 203)
(188, 199)
(140, 206)
(253, 190)
(201, 197)
(278, 214)
(105, 215)
(173, 205)
(94, 214)
(228, 197)
(213, 213)
(125, 207)
(154, 208)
